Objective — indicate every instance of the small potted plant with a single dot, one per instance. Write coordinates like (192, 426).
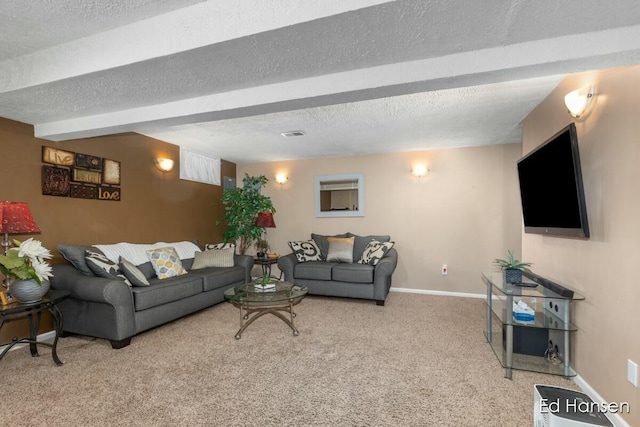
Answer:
(512, 268)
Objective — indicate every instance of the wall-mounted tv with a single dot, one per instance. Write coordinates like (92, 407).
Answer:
(551, 188)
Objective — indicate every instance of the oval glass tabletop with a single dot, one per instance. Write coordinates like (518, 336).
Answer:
(251, 292)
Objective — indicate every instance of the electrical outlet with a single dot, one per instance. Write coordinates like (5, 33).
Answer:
(445, 270)
(632, 372)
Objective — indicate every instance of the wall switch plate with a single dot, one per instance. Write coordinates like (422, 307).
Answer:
(445, 270)
(632, 372)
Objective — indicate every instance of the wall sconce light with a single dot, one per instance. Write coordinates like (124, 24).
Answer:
(164, 164)
(282, 178)
(578, 101)
(419, 170)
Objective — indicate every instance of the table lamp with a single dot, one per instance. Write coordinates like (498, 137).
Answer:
(15, 218)
(265, 220)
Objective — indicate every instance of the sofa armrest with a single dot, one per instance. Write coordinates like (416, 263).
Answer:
(286, 264)
(246, 262)
(91, 288)
(382, 275)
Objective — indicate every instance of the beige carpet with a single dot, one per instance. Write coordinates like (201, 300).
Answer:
(419, 361)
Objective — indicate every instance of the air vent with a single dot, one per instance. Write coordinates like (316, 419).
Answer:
(293, 133)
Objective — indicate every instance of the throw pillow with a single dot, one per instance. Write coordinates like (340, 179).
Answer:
(226, 245)
(340, 249)
(75, 254)
(166, 262)
(213, 258)
(374, 252)
(102, 266)
(306, 251)
(362, 241)
(323, 244)
(133, 273)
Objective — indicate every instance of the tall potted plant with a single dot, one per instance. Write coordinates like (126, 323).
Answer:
(241, 206)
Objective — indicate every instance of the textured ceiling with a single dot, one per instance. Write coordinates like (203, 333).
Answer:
(358, 76)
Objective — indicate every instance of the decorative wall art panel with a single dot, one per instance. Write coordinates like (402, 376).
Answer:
(86, 175)
(55, 181)
(55, 156)
(79, 175)
(109, 193)
(86, 161)
(83, 191)
(111, 172)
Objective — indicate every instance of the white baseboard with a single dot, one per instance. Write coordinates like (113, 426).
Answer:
(42, 337)
(616, 419)
(442, 293)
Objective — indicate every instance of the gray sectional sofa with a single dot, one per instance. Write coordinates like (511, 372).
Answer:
(341, 279)
(110, 309)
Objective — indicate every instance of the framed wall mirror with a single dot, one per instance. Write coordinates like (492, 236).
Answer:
(339, 195)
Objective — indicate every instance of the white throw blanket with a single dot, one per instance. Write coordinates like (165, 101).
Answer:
(137, 253)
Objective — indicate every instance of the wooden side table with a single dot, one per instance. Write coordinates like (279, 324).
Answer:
(33, 312)
(266, 264)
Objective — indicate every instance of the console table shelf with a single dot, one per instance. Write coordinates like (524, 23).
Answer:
(551, 328)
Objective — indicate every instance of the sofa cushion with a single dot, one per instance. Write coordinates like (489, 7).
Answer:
(75, 254)
(353, 273)
(316, 270)
(340, 249)
(133, 273)
(104, 267)
(213, 258)
(163, 291)
(217, 277)
(166, 262)
(374, 252)
(306, 251)
(322, 243)
(361, 243)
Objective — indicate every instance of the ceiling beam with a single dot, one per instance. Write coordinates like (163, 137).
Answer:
(532, 59)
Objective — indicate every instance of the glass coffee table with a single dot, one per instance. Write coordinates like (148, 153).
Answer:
(255, 302)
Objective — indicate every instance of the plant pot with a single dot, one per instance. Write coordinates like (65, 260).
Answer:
(512, 276)
(26, 291)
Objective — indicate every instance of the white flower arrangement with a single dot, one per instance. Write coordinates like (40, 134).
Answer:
(27, 261)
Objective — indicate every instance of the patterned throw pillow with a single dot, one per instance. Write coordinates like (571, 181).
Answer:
(306, 251)
(227, 245)
(133, 273)
(102, 266)
(213, 258)
(166, 262)
(340, 249)
(374, 252)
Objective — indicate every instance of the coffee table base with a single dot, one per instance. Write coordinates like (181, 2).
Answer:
(246, 319)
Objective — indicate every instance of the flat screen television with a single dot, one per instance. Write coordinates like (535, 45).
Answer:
(551, 188)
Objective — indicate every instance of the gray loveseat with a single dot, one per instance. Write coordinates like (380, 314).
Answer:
(341, 279)
(111, 309)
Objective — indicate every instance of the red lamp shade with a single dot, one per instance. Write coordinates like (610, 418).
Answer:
(265, 219)
(16, 218)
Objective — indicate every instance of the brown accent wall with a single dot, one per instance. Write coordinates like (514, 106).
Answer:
(155, 206)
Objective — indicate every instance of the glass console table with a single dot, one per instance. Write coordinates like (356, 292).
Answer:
(541, 344)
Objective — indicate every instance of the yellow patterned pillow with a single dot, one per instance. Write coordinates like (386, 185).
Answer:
(166, 262)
